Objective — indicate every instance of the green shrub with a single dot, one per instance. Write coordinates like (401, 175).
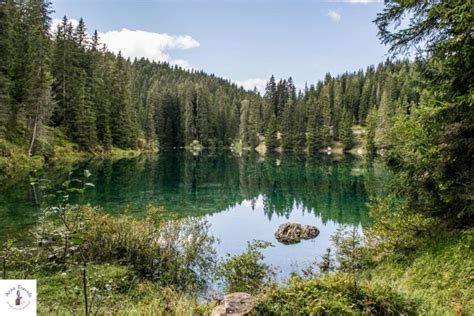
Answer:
(246, 272)
(175, 253)
(332, 295)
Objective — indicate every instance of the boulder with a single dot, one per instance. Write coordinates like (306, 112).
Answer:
(292, 232)
(236, 304)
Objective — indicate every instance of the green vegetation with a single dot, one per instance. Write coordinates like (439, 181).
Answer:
(246, 272)
(100, 101)
(438, 276)
(332, 295)
(89, 260)
(418, 115)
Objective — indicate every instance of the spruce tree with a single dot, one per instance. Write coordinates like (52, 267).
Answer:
(288, 127)
(324, 128)
(5, 57)
(122, 121)
(271, 134)
(314, 140)
(243, 126)
(338, 108)
(38, 99)
(371, 124)
(345, 134)
(385, 114)
(190, 114)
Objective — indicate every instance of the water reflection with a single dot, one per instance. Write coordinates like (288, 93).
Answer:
(244, 197)
(193, 185)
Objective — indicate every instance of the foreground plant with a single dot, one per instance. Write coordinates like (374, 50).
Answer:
(247, 272)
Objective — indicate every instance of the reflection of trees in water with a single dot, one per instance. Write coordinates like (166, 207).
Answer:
(215, 181)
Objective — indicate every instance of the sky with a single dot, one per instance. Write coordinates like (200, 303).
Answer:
(245, 41)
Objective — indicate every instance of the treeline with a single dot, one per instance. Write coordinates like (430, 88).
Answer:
(324, 113)
(67, 80)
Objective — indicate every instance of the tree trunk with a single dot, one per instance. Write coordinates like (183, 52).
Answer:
(33, 137)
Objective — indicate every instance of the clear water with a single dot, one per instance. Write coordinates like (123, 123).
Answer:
(244, 197)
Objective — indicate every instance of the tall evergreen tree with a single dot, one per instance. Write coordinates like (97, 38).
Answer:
(122, 122)
(190, 114)
(288, 126)
(371, 124)
(5, 59)
(271, 134)
(38, 100)
(338, 107)
(345, 134)
(314, 139)
(385, 115)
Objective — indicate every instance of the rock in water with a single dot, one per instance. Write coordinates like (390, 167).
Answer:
(291, 233)
(235, 304)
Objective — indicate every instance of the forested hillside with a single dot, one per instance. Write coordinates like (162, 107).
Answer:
(66, 80)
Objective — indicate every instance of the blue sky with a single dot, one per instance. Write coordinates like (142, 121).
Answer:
(242, 40)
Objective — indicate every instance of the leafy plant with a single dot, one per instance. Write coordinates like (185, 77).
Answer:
(246, 272)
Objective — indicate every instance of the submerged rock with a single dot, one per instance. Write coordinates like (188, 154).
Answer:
(235, 304)
(292, 232)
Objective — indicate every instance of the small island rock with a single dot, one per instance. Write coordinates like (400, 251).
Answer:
(292, 232)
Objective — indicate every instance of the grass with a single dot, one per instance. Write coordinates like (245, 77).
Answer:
(115, 290)
(439, 276)
(333, 295)
(57, 151)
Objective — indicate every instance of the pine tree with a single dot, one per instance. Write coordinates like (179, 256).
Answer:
(371, 123)
(122, 122)
(270, 99)
(345, 134)
(62, 71)
(19, 34)
(299, 137)
(5, 57)
(100, 92)
(324, 129)
(365, 99)
(202, 118)
(190, 114)
(243, 126)
(38, 100)
(385, 114)
(338, 108)
(288, 127)
(271, 134)
(314, 140)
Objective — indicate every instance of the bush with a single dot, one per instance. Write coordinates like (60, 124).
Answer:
(246, 272)
(332, 295)
(175, 253)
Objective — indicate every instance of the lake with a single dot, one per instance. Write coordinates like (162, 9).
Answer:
(244, 197)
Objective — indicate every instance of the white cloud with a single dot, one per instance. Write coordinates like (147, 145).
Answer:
(249, 84)
(334, 16)
(147, 44)
(138, 44)
(181, 63)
